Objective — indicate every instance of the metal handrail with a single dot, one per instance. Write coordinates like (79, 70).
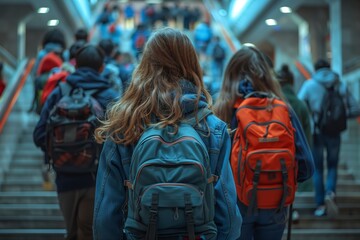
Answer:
(10, 59)
(12, 91)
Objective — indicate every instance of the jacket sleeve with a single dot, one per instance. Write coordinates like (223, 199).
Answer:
(227, 216)
(39, 134)
(110, 195)
(353, 107)
(303, 152)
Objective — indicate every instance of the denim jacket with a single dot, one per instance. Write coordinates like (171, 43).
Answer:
(110, 196)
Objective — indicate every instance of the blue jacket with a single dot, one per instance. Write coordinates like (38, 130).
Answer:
(114, 169)
(86, 78)
(303, 152)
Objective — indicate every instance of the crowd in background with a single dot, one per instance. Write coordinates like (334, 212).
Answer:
(122, 34)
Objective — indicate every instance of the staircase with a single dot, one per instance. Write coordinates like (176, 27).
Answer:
(26, 210)
(345, 226)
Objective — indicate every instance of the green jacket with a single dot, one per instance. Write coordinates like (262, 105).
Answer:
(300, 109)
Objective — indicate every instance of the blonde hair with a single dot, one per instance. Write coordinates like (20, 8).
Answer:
(249, 64)
(155, 90)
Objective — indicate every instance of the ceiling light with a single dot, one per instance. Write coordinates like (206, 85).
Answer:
(43, 10)
(53, 22)
(270, 22)
(285, 10)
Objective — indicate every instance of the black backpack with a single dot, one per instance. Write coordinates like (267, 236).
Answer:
(218, 53)
(70, 131)
(332, 118)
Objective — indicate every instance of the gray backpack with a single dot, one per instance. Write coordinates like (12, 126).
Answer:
(170, 186)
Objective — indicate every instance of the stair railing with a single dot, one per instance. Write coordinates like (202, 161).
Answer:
(13, 90)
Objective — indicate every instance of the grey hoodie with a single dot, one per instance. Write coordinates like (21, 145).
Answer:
(313, 91)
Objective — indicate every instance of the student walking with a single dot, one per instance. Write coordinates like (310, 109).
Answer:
(65, 134)
(264, 168)
(326, 92)
(164, 171)
(286, 79)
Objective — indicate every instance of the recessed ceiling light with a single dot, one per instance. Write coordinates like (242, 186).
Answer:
(285, 9)
(270, 22)
(53, 22)
(43, 10)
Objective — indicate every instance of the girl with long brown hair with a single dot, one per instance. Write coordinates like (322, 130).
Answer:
(166, 87)
(248, 76)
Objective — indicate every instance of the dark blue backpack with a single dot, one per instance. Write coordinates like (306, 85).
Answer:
(332, 119)
(218, 53)
(170, 186)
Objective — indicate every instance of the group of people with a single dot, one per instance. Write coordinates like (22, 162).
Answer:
(135, 190)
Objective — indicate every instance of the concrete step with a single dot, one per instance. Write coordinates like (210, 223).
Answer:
(22, 187)
(23, 172)
(342, 197)
(27, 145)
(345, 209)
(32, 234)
(34, 197)
(29, 153)
(323, 234)
(344, 174)
(27, 163)
(14, 179)
(32, 222)
(339, 222)
(347, 186)
(30, 209)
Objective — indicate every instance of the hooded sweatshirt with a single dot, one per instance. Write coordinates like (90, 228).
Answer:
(87, 79)
(313, 91)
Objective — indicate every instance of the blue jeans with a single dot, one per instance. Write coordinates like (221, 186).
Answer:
(332, 146)
(267, 224)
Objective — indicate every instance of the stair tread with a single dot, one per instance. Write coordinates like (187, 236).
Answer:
(20, 206)
(32, 231)
(29, 194)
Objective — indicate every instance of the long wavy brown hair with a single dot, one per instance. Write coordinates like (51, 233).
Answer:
(248, 63)
(155, 91)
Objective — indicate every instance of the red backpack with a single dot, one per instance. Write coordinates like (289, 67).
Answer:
(52, 82)
(263, 153)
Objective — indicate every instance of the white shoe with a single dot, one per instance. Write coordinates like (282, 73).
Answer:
(320, 211)
(331, 207)
(295, 216)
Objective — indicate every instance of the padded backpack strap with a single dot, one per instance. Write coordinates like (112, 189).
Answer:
(65, 88)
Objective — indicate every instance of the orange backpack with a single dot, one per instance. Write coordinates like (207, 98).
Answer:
(263, 153)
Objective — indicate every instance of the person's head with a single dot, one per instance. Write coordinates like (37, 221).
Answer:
(247, 64)
(107, 46)
(75, 47)
(81, 35)
(155, 89)
(117, 56)
(54, 36)
(321, 63)
(90, 56)
(285, 76)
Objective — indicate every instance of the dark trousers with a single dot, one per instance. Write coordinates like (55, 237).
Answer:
(77, 208)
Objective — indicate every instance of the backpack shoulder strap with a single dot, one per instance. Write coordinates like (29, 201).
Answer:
(65, 88)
